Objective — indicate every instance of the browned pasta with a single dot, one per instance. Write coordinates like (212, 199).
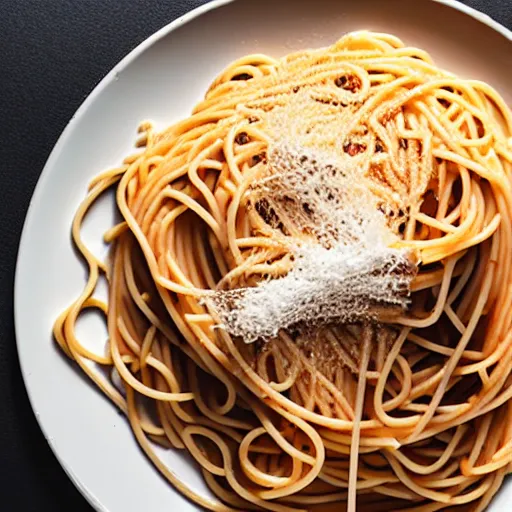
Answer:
(407, 409)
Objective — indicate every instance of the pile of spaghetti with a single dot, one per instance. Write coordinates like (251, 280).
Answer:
(310, 290)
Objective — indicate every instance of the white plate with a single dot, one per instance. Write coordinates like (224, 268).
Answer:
(161, 80)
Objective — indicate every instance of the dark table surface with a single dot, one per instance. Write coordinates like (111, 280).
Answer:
(52, 54)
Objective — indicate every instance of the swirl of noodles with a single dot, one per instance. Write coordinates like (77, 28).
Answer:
(391, 400)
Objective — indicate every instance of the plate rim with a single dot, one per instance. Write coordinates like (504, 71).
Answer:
(62, 141)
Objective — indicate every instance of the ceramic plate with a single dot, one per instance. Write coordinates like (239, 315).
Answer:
(162, 80)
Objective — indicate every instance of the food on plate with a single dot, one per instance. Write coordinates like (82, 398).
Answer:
(310, 289)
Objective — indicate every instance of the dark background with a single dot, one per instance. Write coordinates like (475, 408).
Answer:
(52, 54)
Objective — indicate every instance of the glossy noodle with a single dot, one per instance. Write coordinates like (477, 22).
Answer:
(310, 288)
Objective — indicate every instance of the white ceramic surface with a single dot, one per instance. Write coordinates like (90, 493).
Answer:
(161, 80)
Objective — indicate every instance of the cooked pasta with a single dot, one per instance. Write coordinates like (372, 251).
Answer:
(310, 288)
